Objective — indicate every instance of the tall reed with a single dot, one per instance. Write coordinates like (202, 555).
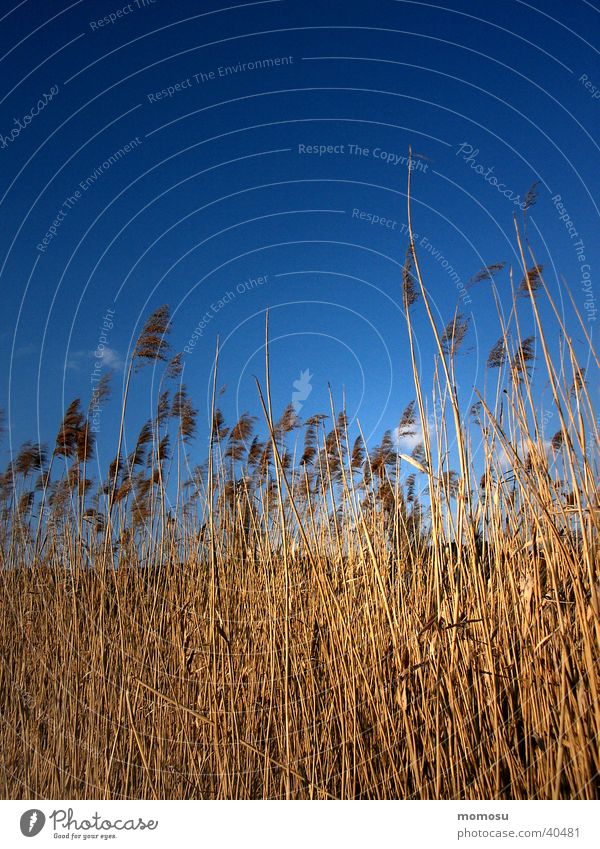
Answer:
(307, 615)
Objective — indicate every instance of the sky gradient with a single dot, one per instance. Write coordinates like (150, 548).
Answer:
(230, 160)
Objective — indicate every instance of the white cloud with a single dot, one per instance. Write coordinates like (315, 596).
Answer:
(406, 444)
(110, 359)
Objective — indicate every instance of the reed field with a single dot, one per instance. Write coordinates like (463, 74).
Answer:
(306, 616)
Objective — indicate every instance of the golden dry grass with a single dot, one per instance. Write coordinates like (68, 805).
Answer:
(332, 624)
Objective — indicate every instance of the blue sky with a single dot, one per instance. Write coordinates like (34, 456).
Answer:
(230, 160)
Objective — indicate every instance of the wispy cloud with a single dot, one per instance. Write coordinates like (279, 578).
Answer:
(110, 358)
(25, 351)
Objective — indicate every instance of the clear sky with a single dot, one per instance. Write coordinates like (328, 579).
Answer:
(229, 158)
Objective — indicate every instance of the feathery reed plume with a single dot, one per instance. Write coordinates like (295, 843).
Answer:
(531, 196)
(531, 282)
(70, 430)
(357, 457)
(287, 422)
(383, 455)
(418, 454)
(239, 435)
(498, 355)
(523, 359)
(42, 480)
(163, 449)
(254, 452)
(152, 342)
(407, 423)
(101, 391)
(25, 502)
(454, 334)
(175, 367)
(183, 409)
(486, 273)
(86, 438)
(409, 283)
(31, 458)
(310, 445)
(138, 455)
(450, 483)
(163, 408)
(85, 443)
(114, 470)
(265, 459)
(475, 412)
(219, 428)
